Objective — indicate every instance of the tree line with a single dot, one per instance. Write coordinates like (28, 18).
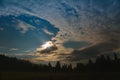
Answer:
(101, 64)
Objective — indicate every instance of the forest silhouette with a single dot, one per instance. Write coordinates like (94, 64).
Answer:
(101, 64)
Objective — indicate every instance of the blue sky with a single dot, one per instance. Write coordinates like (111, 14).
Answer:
(23, 33)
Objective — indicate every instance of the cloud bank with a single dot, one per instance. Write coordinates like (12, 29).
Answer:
(95, 22)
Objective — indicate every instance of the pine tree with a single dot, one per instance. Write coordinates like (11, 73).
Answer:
(58, 66)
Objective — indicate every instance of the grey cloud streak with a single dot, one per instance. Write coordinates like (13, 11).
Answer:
(94, 51)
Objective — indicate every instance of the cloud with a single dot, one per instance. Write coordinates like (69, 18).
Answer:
(48, 32)
(46, 50)
(94, 51)
(13, 49)
(65, 18)
(46, 57)
(75, 44)
(27, 51)
(24, 27)
(23, 56)
(1, 47)
(1, 29)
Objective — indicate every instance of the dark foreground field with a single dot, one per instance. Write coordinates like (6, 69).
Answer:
(58, 76)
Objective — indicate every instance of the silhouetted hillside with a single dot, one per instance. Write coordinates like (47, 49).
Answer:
(14, 64)
(102, 64)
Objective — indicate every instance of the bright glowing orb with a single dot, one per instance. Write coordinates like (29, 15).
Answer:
(47, 45)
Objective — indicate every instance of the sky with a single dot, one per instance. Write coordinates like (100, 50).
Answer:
(59, 30)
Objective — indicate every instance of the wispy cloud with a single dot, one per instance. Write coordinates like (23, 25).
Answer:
(28, 51)
(2, 47)
(1, 29)
(23, 56)
(24, 27)
(13, 49)
(48, 32)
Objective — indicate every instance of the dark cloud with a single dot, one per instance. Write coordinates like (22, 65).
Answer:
(94, 51)
(75, 44)
(47, 50)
